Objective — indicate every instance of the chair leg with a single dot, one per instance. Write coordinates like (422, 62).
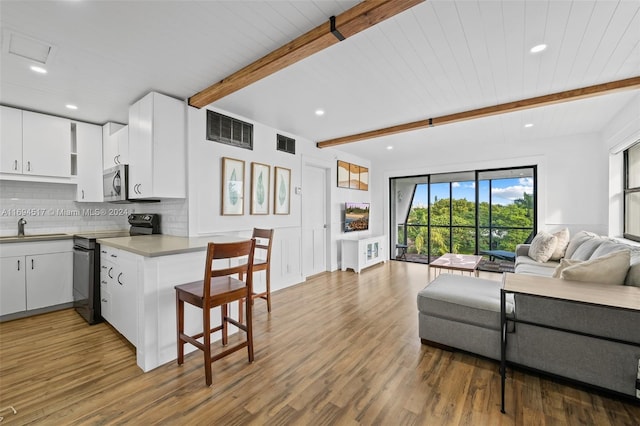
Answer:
(180, 328)
(249, 307)
(206, 329)
(225, 327)
(240, 311)
(268, 272)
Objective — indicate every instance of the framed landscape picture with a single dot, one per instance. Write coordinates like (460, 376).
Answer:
(282, 191)
(260, 174)
(232, 186)
(343, 174)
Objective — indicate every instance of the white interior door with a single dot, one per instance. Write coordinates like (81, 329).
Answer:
(314, 220)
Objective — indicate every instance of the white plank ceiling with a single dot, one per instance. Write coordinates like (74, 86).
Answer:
(439, 57)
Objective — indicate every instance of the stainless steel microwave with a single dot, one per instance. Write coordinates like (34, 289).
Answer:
(115, 183)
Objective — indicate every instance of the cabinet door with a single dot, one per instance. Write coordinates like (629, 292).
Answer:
(109, 144)
(106, 272)
(49, 279)
(140, 148)
(12, 285)
(89, 145)
(46, 145)
(122, 144)
(124, 305)
(10, 140)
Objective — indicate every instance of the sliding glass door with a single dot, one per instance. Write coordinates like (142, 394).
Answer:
(463, 212)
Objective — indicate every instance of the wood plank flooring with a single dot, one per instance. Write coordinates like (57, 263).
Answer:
(340, 349)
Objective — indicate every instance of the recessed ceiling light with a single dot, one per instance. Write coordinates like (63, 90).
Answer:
(390, 147)
(70, 106)
(528, 125)
(319, 112)
(37, 69)
(538, 48)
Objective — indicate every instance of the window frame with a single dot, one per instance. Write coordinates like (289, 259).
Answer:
(627, 190)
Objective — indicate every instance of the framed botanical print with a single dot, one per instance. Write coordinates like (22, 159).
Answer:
(232, 186)
(282, 191)
(260, 174)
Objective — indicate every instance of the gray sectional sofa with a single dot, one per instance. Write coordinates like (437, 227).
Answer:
(595, 345)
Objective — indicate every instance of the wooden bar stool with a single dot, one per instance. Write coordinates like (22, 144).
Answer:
(262, 262)
(219, 288)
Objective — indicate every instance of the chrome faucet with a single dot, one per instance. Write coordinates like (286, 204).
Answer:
(21, 224)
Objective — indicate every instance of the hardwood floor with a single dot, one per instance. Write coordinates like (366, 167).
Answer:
(339, 349)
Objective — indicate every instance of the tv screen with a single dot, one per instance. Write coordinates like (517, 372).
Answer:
(356, 217)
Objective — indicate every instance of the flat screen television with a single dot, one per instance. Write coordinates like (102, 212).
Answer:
(356, 217)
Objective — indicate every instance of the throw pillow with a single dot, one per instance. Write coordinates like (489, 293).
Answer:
(561, 246)
(586, 249)
(608, 269)
(564, 264)
(542, 246)
(577, 241)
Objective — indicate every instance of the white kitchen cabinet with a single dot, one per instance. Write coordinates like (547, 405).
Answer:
(10, 140)
(157, 148)
(118, 281)
(12, 285)
(35, 275)
(46, 145)
(361, 253)
(88, 138)
(115, 145)
(49, 279)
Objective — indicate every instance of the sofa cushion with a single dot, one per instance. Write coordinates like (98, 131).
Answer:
(586, 249)
(608, 269)
(633, 275)
(522, 260)
(542, 246)
(577, 240)
(540, 269)
(606, 247)
(464, 299)
(561, 245)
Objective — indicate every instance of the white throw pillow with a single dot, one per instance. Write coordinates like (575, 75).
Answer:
(608, 269)
(563, 241)
(542, 246)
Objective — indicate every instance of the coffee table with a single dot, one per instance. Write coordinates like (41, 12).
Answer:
(457, 262)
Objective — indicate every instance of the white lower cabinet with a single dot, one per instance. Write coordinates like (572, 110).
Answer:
(35, 275)
(364, 252)
(118, 281)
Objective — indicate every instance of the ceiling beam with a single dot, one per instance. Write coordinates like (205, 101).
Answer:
(539, 101)
(360, 17)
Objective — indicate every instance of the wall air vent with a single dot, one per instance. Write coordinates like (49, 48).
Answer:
(286, 144)
(230, 131)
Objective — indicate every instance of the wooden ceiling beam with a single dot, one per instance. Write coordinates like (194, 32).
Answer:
(539, 101)
(358, 18)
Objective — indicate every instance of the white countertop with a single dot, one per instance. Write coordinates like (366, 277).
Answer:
(163, 245)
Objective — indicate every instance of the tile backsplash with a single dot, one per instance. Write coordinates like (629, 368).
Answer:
(50, 208)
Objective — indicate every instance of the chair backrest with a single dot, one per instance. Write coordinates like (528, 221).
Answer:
(236, 254)
(260, 235)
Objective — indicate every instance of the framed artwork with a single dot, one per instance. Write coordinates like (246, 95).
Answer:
(354, 176)
(282, 191)
(260, 174)
(232, 186)
(343, 174)
(364, 179)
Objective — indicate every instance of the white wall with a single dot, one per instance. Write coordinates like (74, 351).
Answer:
(572, 176)
(204, 192)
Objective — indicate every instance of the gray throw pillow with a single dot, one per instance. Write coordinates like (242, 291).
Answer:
(587, 249)
(608, 269)
(577, 240)
(542, 246)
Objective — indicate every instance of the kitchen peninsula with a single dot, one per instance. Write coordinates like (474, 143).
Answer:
(137, 282)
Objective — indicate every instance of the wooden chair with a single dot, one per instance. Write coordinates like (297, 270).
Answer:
(262, 262)
(219, 288)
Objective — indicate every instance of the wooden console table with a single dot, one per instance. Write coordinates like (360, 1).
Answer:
(611, 296)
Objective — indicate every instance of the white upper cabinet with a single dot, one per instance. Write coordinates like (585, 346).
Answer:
(157, 148)
(89, 162)
(115, 145)
(46, 145)
(10, 140)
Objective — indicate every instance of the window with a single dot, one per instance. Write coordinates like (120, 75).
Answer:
(286, 144)
(230, 131)
(632, 192)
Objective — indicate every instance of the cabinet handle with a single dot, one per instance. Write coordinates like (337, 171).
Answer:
(103, 282)
(114, 255)
(32, 264)
(109, 273)
(18, 265)
(15, 164)
(103, 251)
(83, 194)
(119, 275)
(103, 300)
(28, 166)
(115, 159)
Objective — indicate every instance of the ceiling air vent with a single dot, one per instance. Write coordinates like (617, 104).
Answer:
(286, 144)
(26, 47)
(230, 131)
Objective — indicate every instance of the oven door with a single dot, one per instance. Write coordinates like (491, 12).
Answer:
(83, 281)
